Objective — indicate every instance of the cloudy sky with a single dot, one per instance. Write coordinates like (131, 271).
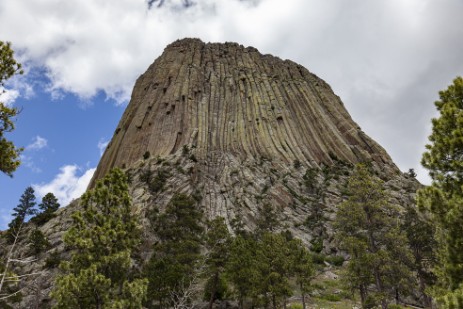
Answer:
(386, 59)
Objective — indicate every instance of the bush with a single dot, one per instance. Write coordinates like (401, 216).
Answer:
(336, 260)
(146, 176)
(185, 150)
(53, 260)
(157, 184)
(318, 258)
(193, 158)
(42, 218)
(317, 245)
(331, 297)
(146, 155)
(38, 242)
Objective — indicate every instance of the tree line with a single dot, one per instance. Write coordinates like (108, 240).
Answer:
(192, 258)
(390, 250)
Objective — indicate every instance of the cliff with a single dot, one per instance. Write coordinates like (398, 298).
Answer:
(227, 100)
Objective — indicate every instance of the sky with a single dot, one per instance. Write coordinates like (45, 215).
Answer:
(386, 59)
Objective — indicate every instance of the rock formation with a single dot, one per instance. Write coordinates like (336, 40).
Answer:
(236, 130)
(226, 100)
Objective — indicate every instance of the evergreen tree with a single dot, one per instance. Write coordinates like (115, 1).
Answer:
(103, 235)
(176, 260)
(26, 207)
(38, 241)
(16, 226)
(9, 154)
(444, 198)
(218, 246)
(420, 232)
(367, 228)
(267, 221)
(301, 267)
(242, 269)
(274, 258)
(48, 207)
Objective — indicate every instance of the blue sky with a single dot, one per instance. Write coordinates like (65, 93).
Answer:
(386, 59)
(63, 137)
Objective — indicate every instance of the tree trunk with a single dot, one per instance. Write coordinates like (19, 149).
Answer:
(213, 290)
(363, 295)
(9, 256)
(302, 295)
(379, 287)
(397, 299)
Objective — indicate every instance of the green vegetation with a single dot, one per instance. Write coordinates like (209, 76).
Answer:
(53, 260)
(48, 207)
(103, 235)
(367, 229)
(444, 198)
(38, 242)
(217, 244)
(26, 207)
(9, 153)
(175, 266)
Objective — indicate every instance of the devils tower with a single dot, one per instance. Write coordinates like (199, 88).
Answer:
(237, 131)
(240, 129)
(228, 101)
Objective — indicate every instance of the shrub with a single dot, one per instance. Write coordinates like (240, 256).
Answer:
(146, 176)
(158, 183)
(317, 245)
(336, 260)
(331, 297)
(146, 155)
(185, 150)
(193, 158)
(38, 241)
(53, 260)
(318, 258)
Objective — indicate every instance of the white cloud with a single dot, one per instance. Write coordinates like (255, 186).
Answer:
(67, 185)
(38, 143)
(8, 97)
(102, 144)
(28, 162)
(386, 59)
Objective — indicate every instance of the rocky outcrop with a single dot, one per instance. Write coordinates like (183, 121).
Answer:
(236, 130)
(227, 100)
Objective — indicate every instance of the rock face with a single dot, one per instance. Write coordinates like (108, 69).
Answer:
(228, 101)
(237, 130)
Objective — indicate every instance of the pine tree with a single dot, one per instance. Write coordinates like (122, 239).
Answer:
(16, 226)
(274, 256)
(444, 198)
(9, 153)
(176, 260)
(242, 269)
(420, 232)
(48, 207)
(301, 267)
(368, 229)
(103, 235)
(26, 207)
(218, 245)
